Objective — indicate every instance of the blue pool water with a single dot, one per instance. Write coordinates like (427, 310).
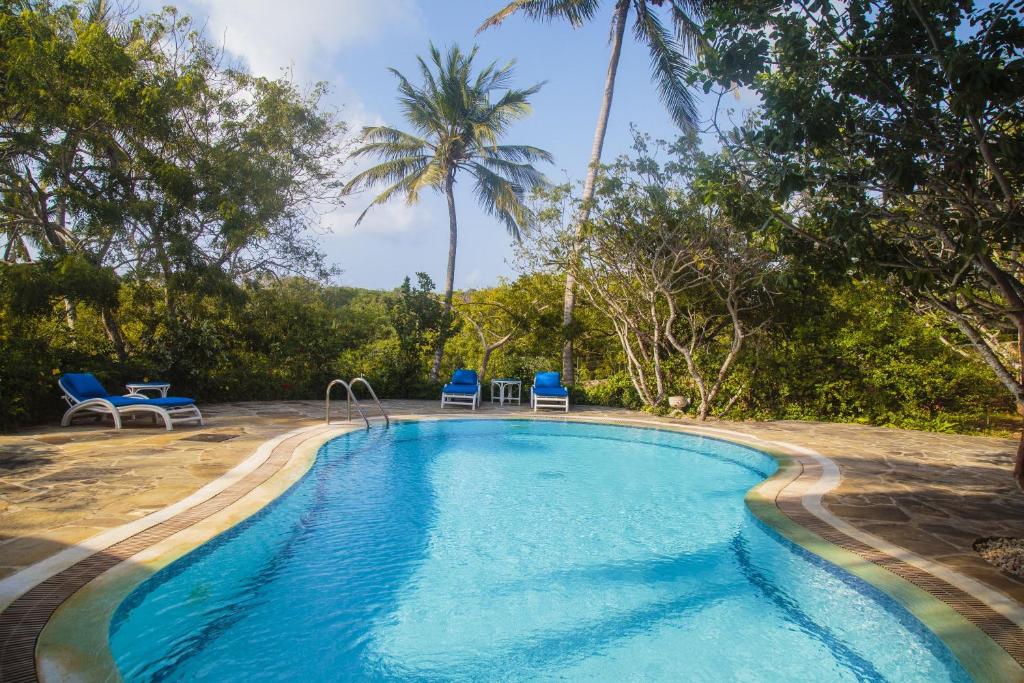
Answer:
(517, 550)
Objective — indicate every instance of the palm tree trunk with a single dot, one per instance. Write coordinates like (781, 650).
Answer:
(569, 300)
(449, 281)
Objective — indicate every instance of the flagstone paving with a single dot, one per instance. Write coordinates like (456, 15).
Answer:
(934, 494)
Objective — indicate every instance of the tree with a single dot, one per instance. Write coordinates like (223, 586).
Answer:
(891, 139)
(496, 316)
(670, 68)
(674, 268)
(457, 128)
(416, 317)
(126, 145)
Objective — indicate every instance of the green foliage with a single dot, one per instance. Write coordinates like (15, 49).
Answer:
(31, 288)
(891, 134)
(125, 145)
(458, 118)
(397, 353)
(849, 352)
(616, 391)
(858, 353)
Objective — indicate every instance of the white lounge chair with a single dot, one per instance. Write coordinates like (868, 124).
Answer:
(87, 397)
(547, 392)
(463, 390)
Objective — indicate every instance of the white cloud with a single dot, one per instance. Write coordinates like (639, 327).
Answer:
(304, 35)
(391, 218)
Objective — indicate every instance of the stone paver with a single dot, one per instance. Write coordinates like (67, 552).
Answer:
(59, 486)
(931, 493)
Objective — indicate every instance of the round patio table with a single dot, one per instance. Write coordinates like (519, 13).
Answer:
(505, 391)
(140, 388)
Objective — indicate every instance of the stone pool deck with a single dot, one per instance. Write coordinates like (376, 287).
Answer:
(932, 494)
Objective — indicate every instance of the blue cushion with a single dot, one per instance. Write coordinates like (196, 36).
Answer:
(547, 379)
(550, 391)
(454, 388)
(83, 386)
(464, 376)
(164, 402)
(172, 401)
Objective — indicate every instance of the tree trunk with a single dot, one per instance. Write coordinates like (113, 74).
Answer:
(114, 333)
(484, 360)
(71, 314)
(569, 299)
(449, 282)
(170, 297)
(1018, 466)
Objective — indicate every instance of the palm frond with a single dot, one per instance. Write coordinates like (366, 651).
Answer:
(518, 154)
(389, 143)
(669, 66)
(457, 127)
(686, 18)
(523, 175)
(420, 176)
(576, 12)
(419, 106)
(391, 171)
(501, 198)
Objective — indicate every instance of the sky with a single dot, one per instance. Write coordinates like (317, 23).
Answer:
(351, 43)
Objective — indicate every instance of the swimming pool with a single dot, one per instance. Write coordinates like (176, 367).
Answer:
(511, 550)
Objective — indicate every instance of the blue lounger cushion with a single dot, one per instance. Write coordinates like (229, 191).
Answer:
(163, 402)
(83, 386)
(464, 376)
(560, 392)
(548, 379)
(454, 388)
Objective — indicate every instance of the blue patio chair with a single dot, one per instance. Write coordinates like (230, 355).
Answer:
(463, 390)
(85, 396)
(547, 392)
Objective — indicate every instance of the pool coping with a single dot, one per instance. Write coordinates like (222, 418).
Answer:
(57, 628)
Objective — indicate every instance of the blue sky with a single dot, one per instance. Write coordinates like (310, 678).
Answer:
(351, 43)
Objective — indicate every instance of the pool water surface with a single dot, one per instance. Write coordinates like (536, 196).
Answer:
(517, 550)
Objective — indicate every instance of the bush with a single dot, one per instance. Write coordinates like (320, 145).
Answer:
(616, 391)
(858, 353)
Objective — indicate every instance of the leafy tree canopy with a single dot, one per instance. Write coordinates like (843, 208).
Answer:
(890, 136)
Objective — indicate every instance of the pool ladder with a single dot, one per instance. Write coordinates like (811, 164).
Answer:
(352, 399)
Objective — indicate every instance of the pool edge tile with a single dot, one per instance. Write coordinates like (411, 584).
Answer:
(982, 657)
(41, 635)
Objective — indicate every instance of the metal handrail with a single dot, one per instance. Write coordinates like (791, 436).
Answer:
(351, 398)
(352, 383)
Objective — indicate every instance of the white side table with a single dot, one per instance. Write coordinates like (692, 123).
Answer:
(509, 390)
(140, 388)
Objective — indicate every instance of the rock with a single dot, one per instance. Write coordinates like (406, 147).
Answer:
(1005, 553)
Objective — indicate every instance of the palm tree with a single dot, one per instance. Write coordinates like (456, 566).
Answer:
(669, 65)
(456, 128)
